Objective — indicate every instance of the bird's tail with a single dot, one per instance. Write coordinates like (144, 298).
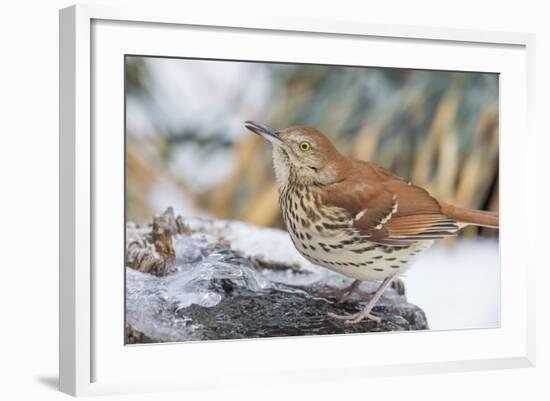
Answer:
(469, 216)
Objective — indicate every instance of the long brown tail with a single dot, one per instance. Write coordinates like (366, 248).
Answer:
(468, 216)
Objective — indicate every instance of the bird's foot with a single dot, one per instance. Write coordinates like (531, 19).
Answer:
(355, 318)
(398, 285)
(365, 313)
(343, 294)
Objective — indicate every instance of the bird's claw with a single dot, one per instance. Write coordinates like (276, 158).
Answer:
(355, 318)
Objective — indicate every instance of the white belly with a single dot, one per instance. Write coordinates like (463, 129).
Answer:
(376, 263)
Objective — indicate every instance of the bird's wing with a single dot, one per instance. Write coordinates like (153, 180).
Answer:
(388, 209)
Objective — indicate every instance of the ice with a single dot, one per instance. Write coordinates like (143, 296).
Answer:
(152, 302)
(194, 285)
(188, 249)
(234, 280)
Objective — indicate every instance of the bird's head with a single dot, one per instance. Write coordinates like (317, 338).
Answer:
(302, 154)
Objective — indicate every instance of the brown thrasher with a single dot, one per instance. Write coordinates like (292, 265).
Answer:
(355, 217)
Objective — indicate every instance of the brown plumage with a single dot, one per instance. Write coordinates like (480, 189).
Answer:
(348, 215)
(397, 211)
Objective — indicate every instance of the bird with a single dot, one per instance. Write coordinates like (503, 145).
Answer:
(355, 217)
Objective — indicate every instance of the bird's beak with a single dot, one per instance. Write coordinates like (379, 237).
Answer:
(267, 132)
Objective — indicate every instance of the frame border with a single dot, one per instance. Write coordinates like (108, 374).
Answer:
(75, 169)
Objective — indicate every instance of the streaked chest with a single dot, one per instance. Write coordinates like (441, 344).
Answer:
(325, 236)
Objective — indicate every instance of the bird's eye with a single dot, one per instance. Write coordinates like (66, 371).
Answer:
(305, 146)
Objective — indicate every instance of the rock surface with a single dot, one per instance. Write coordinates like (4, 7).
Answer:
(214, 280)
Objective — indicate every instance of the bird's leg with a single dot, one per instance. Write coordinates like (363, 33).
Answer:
(398, 285)
(365, 313)
(343, 294)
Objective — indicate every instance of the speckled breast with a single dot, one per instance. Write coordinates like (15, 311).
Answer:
(325, 236)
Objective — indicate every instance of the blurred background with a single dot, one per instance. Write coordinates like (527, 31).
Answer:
(186, 145)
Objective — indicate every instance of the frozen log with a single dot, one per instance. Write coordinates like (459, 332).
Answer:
(203, 279)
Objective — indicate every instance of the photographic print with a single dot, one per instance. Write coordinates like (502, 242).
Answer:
(280, 199)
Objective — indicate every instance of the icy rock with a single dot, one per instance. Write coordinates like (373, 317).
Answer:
(232, 280)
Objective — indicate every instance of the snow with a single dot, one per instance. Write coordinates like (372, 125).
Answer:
(251, 241)
(459, 286)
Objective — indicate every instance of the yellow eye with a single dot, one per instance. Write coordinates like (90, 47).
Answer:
(305, 146)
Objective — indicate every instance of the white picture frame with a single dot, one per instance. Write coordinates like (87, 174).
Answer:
(92, 352)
